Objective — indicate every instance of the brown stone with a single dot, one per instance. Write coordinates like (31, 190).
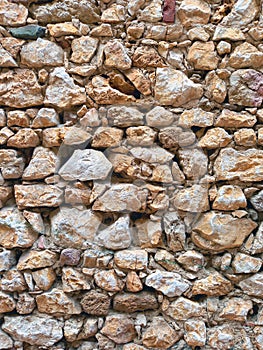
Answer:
(95, 303)
(139, 80)
(34, 259)
(236, 309)
(215, 138)
(133, 282)
(25, 304)
(195, 332)
(44, 278)
(229, 198)
(230, 119)
(119, 328)
(203, 56)
(108, 280)
(83, 49)
(193, 199)
(24, 138)
(107, 137)
(213, 285)
(129, 302)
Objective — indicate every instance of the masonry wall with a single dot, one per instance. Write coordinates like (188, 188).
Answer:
(131, 169)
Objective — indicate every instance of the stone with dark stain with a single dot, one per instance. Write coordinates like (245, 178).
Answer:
(169, 11)
(29, 32)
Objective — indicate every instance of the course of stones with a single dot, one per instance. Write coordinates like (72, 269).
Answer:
(131, 169)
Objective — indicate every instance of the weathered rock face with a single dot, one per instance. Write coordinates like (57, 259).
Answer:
(119, 328)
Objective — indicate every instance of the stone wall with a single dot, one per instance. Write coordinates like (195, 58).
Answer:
(131, 169)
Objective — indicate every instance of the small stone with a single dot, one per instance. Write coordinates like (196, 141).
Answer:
(33, 259)
(122, 198)
(42, 53)
(225, 33)
(124, 116)
(253, 285)
(131, 259)
(6, 59)
(220, 337)
(175, 231)
(5, 134)
(203, 56)
(29, 32)
(6, 193)
(139, 80)
(245, 137)
(231, 119)
(12, 14)
(25, 304)
(69, 256)
(95, 303)
(7, 259)
(174, 137)
(159, 117)
(169, 11)
(191, 260)
(12, 45)
(74, 280)
(229, 198)
(5, 341)
(198, 33)
(194, 163)
(243, 263)
(140, 136)
(213, 285)
(20, 89)
(174, 88)
(159, 335)
(14, 229)
(7, 303)
(57, 302)
(83, 49)
(133, 282)
(34, 330)
(219, 231)
(117, 236)
(114, 14)
(149, 233)
(11, 164)
(116, 56)
(105, 137)
(236, 309)
(196, 117)
(260, 136)
(152, 12)
(18, 118)
(38, 196)
(216, 88)
(154, 154)
(13, 281)
(128, 302)
(134, 6)
(215, 138)
(246, 56)
(62, 92)
(257, 201)
(119, 328)
(223, 47)
(192, 199)
(60, 29)
(183, 309)
(24, 138)
(73, 227)
(194, 12)
(45, 117)
(86, 165)
(44, 278)
(102, 30)
(108, 281)
(146, 57)
(195, 332)
(227, 165)
(169, 283)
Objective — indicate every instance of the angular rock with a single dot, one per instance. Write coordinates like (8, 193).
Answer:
(215, 138)
(7, 259)
(149, 233)
(5, 341)
(13, 281)
(11, 164)
(108, 280)
(18, 118)
(257, 201)
(74, 280)
(245, 137)
(213, 285)
(146, 57)
(246, 88)
(34, 330)
(86, 165)
(116, 56)
(152, 12)
(174, 137)
(57, 302)
(159, 335)
(116, 236)
(246, 56)
(61, 29)
(154, 154)
(183, 309)
(35, 220)
(14, 229)
(218, 231)
(12, 14)
(236, 309)
(72, 227)
(95, 303)
(105, 137)
(229, 198)
(140, 136)
(25, 304)
(131, 259)
(243, 12)
(24, 138)
(69, 256)
(194, 12)
(169, 11)
(195, 332)
(174, 229)
(139, 80)
(113, 14)
(169, 283)
(119, 328)
(62, 92)
(243, 263)
(44, 278)
(38, 196)
(221, 337)
(242, 165)
(203, 56)
(253, 285)
(226, 33)
(29, 32)
(7, 303)
(194, 162)
(128, 302)
(83, 49)
(191, 260)
(6, 59)
(122, 198)
(174, 88)
(216, 88)
(159, 117)
(196, 117)
(192, 199)
(19, 88)
(230, 119)
(124, 116)
(42, 164)
(133, 282)
(34, 259)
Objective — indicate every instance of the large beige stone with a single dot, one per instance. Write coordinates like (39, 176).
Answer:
(108, 280)
(231, 119)
(243, 12)
(229, 197)
(42, 164)
(136, 259)
(24, 138)
(218, 231)
(183, 309)
(116, 56)
(215, 138)
(153, 154)
(34, 330)
(174, 88)
(236, 309)
(19, 88)
(12, 14)
(246, 56)
(62, 92)
(41, 53)
(213, 285)
(6, 59)
(241, 165)
(139, 80)
(11, 164)
(83, 49)
(34, 259)
(253, 285)
(192, 199)
(146, 57)
(119, 328)
(122, 116)
(44, 278)
(196, 117)
(105, 137)
(194, 12)
(73, 280)
(152, 12)
(203, 56)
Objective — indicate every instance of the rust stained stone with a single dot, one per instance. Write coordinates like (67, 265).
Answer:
(169, 11)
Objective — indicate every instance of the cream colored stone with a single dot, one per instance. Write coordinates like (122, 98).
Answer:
(7, 303)
(245, 137)
(229, 198)
(44, 278)
(152, 12)
(83, 49)
(108, 280)
(131, 259)
(6, 59)
(183, 309)
(33, 259)
(228, 33)
(122, 116)
(113, 14)
(12, 45)
(159, 117)
(141, 136)
(221, 337)
(193, 162)
(74, 280)
(154, 154)
(243, 12)
(42, 164)
(236, 309)
(119, 328)
(260, 136)
(5, 341)
(5, 134)
(231, 119)
(174, 88)
(216, 88)
(24, 138)
(195, 332)
(149, 233)
(192, 199)
(12, 14)
(196, 117)
(174, 137)
(105, 137)
(213, 285)
(139, 80)
(116, 56)
(246, 56)
(191, 260)
(215, 138)
(102, 30)
(45, 117)
(203, 56)
(243, 263)
(223, 47)
(194, 12)
(60, 29)
(253, 285)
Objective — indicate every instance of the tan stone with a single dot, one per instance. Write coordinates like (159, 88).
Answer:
(174, 137)
(119, 328)
(78, 193)
(195, 332)
(102, 30)
(24, 138)
(228, 33)
(170, 284)
(191, 260)
(256, 201)
(245, 137)
(139, 80)
(223, 47)
(192, 199)
(131, 259)
(5, 194)
(203, 56)
(44, 278)
(243, 263)
(109, 281)
(128, 302)
(13, 281)
(116, 56)
(45, 117)
(12, 45)
(122, 116)
(73, 227)
(198, 33)
(149, 233)
(14, 229)
(215, 138)
(20, 89)
(230, 119)
(253, 285)
(174, 88)
(159, 117)
(5, 134)
(193, 162)
(60, 29)
(83, 49)
(6, 59)
(11, 164)
(183, 309)
(242, 165)
(12, 14)
(38, 196)
(260, 136)
(159, 335)
(152, 12)
(113, 14)
(243, 12)
(34, 330)
(216, 88)
(42, 164)
(74, 280)
(18, 118)
(25, 304)
(229, 198)
(236, 309)
(218, 231)
(5, 341)
(194, 12)
(57, 302)
(62, 92)
(221, 337)
(147, 57)
(196, 117)
(213, 285)
(140, 136)
(33, 259)
(95, 303)
(246, 56)
(105, 137)
(133, 282)
(41, 53)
